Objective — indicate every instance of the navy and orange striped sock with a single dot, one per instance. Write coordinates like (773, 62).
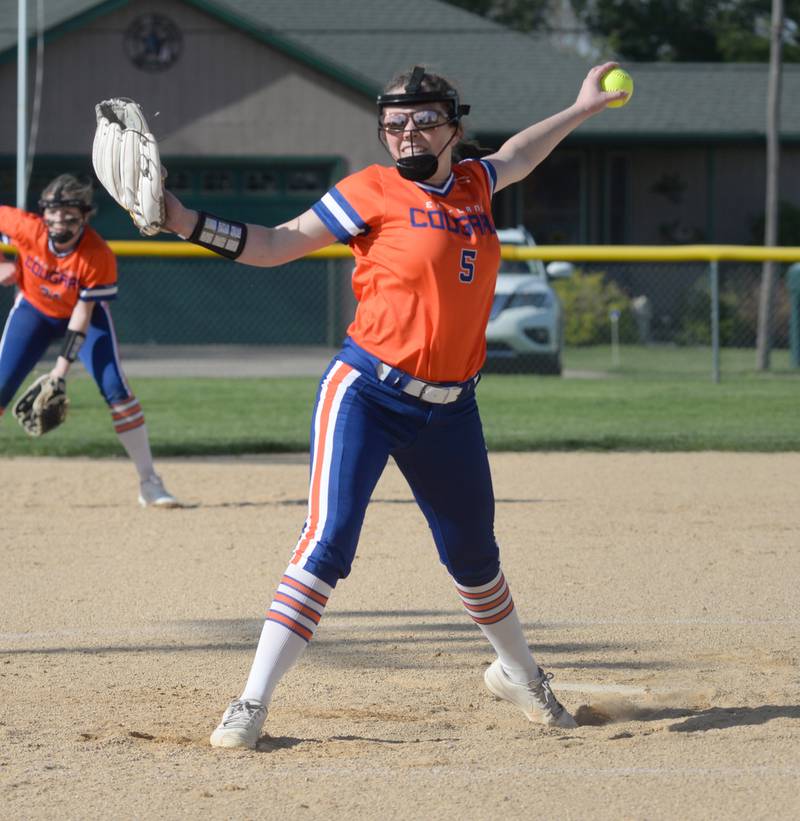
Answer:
(132, 432)
(298, 604)
(127, 415)
(491, 607)
(291, 622)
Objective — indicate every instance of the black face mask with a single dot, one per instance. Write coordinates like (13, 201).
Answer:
(62, 237)
(420, 167)
(70, 228)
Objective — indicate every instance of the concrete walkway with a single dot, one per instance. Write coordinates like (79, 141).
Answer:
(236, 361)
(224, 360)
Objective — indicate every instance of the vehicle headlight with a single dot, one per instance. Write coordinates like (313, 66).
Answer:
(541, 336)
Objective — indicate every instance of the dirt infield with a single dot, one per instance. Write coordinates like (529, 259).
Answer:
(660, 589)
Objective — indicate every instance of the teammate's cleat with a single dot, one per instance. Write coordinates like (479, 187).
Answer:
(152, 493)
(535, 698)
(241, 725)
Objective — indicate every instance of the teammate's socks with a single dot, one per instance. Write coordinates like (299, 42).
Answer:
(132, 433)
(292, 619)
(491, 607)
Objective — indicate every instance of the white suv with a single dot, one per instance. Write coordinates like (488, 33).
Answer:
(526, 327)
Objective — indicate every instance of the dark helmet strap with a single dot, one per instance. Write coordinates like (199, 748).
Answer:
(58, 202)
(414, 85)
(412, 94)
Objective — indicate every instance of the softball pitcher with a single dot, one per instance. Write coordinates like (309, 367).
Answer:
(404, 383)
(66, 275)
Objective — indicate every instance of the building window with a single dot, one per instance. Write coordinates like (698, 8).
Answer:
(267, 179)
(179, 180)
(306, 180)
(218, 180)
(260, 182)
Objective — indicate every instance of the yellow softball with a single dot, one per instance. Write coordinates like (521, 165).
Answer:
(617, 79)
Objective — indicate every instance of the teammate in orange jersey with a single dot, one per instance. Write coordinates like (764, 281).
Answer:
(66, 275)
(404, 383)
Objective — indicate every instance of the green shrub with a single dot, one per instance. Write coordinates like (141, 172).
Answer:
(738, 314)
(588, 299)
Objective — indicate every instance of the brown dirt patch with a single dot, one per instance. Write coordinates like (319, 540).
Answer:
(660, 589)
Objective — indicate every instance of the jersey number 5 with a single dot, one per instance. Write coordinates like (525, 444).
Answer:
(467, 272)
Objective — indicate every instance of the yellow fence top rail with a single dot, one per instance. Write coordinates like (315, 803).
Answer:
(653, 253)
(568, 253)
(547, 253)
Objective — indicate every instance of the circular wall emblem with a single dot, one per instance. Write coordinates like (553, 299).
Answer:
(153, 42)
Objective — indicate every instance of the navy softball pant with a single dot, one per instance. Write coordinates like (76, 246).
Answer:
(359, 421)
(29, 332)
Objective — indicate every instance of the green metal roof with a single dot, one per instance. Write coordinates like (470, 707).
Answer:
(60, 16)
(511, 79)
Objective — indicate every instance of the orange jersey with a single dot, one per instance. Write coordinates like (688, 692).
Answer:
(51, 282)
(426, 265)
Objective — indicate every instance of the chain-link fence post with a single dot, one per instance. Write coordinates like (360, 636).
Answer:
(331, 335)
(713, 272)
(793, 281)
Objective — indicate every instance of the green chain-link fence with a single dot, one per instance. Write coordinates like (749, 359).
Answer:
(211, 302)
(204, 300)
(670, 303)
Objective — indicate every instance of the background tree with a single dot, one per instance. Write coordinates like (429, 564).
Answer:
(690, 30)
(522, 15)
(704, 31)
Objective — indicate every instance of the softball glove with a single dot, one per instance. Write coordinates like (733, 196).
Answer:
(126, 160)
(43, 406)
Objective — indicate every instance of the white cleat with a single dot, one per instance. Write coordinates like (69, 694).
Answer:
(152, 493)
(241, 725)
(535, 698)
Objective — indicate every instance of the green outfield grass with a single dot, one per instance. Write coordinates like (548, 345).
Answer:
(653, 400)
(671, 361)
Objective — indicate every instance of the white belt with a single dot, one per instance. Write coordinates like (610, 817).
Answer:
(427, 392)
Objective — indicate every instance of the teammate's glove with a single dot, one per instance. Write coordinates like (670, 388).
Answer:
(43, 406)
(126, 160)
